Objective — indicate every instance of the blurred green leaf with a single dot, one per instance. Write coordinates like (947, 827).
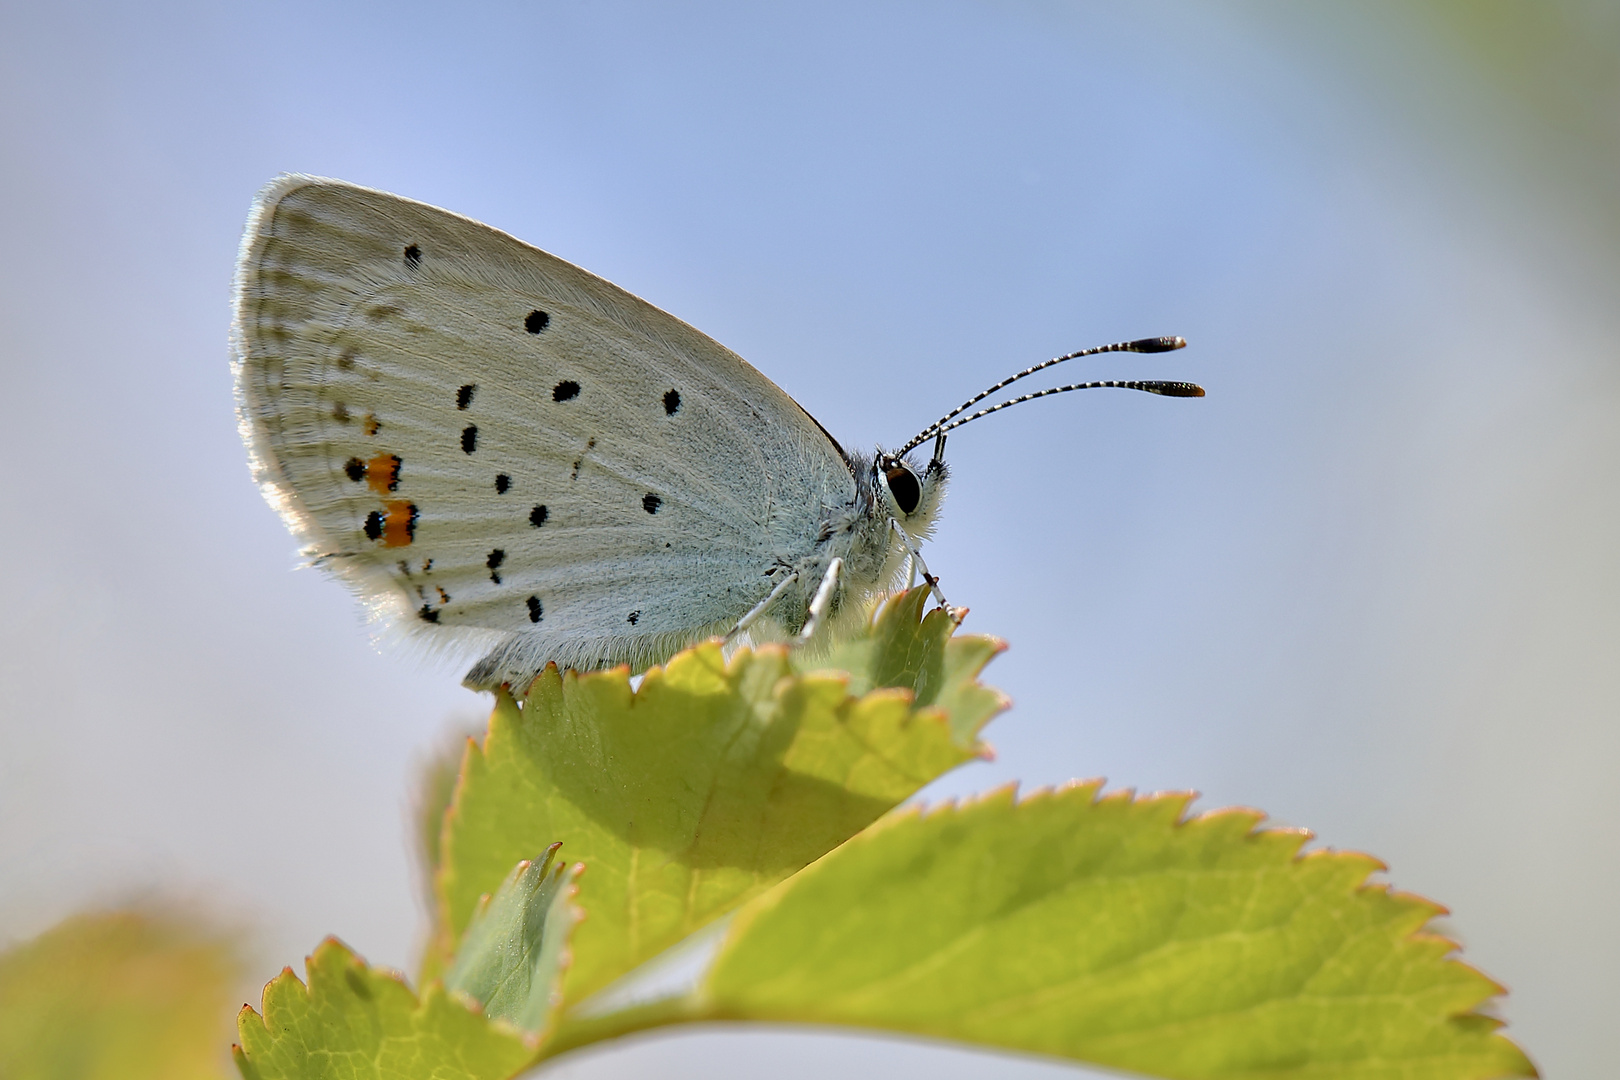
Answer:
(123, 994)
(513, 954)
(352, 1022)
(711, 782)
(435, 786)
(1114, 932)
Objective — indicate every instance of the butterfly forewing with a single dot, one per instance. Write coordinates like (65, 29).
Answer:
(486, 440)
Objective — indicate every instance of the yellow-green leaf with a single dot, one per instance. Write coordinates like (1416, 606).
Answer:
(352, 1022)
(712, 781)
(512, 957)
(1114, 932)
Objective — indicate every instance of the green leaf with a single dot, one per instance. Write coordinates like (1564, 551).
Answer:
(904, 648)
(126, 995)
(355, 1023)
(434, 787)
(513, 955)
(1116, 933)
(712, 782)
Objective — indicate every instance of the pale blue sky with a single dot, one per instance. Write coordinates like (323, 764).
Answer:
(1369, 584)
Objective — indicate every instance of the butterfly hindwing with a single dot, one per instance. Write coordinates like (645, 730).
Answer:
(495, 446)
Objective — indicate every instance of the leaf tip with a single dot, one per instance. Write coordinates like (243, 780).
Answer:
(1005, 795)
(248, 1017)
(1080, 789)
(1432, 909)
(1366, 864)
(1124, 795)
(245, 1067)
(1245, 821)
(1176, 801)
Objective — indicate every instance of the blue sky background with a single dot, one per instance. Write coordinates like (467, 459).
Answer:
(1371, 584)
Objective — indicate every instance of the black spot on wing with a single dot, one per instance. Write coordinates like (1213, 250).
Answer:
(469, 438)
(502, 482)
(672, 402)
(566, 390)
(536, 321)
(496, 557)
(355, 470)
(537, 516)
(536, 610)
(413, 256)
(374, 525)
(427, 614)
(651, 503)
(464, 396)
(632, 617)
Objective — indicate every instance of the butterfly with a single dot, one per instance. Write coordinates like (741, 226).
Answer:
(507, 456)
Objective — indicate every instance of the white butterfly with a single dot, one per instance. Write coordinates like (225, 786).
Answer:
(504, 453)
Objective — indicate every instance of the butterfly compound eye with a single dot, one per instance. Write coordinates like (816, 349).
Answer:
(904, 487)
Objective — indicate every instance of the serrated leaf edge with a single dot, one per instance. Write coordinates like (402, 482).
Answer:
(433, 990)
(702, 1007)
(444, 938)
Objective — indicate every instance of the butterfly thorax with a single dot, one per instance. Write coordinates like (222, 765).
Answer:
(888, 492)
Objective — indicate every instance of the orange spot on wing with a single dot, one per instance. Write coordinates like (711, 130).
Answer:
(399, 524)
(382, 473)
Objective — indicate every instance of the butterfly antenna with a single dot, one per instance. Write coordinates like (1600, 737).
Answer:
(1151, 386)
(1141, 345)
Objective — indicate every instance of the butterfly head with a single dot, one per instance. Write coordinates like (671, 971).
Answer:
(911, 492)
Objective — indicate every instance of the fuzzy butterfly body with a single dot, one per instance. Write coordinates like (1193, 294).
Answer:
(501, 452)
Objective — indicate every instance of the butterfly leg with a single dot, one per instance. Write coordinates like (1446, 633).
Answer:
(759, 609)
(823, 597)
(918, 564)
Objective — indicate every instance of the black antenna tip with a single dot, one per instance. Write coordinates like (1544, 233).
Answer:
(1157, 344)
(1174, 389)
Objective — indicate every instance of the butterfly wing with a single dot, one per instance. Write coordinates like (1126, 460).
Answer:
(500, 451)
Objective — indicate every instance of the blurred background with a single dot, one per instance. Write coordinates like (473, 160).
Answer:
(1370, 584)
